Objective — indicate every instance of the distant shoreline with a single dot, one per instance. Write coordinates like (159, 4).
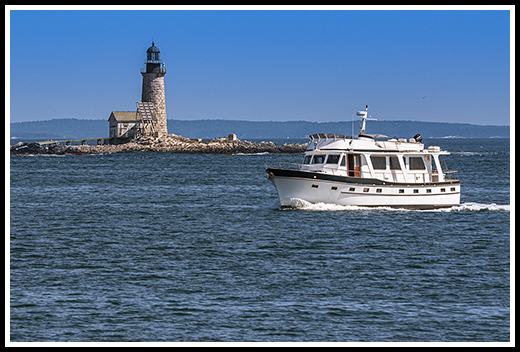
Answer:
(246, 130)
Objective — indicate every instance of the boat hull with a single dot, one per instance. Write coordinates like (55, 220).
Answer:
(313, 187)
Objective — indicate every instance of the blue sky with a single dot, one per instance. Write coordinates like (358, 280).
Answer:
(264, 65)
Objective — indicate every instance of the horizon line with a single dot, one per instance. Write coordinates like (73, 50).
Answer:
(268, 121)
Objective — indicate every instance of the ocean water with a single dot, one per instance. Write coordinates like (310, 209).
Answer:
(147, 246)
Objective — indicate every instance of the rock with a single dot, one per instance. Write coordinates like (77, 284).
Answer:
(168, 144)
(27, 148)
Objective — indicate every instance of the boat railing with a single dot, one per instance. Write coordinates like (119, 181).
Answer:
(317, 168)
(417, 177)
(450, 175)
(324, 168)
(290, 166)
(332, 169)
(326, 136)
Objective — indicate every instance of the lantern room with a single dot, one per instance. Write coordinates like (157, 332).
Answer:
(153, 62)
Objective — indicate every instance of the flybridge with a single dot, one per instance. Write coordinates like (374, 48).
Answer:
(331, 141)
(322, 141)
(328, 135)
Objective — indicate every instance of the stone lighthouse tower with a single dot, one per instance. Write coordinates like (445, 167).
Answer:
(153, 87)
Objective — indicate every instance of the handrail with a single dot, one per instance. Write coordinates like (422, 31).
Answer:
(162, 69)
(292, 165)
(449, 175)
(68, 141)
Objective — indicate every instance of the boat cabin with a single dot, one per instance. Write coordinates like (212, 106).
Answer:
(395, 160)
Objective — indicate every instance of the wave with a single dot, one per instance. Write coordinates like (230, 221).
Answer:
(301, 204)
(478, 153)
(259, 153)
(45, 155)
(478, 207)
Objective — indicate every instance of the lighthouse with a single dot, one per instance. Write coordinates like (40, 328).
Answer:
(153, 87)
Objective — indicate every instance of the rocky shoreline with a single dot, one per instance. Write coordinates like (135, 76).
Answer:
(167, 144)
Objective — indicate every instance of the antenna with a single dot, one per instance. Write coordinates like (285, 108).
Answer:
(364, 118)
(352, 124)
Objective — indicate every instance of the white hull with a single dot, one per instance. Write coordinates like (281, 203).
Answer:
(420, 196)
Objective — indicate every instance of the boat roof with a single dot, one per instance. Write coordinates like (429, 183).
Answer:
(367, 143)
(328, 135)
(330, 142)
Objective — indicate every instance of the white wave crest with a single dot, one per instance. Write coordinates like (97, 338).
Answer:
(296, 203)
(478, 207)
(249, 154)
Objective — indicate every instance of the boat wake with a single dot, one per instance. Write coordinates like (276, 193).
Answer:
(300, 204)
(478, 207)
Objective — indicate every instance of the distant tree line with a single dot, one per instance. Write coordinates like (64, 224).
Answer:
(75, 128)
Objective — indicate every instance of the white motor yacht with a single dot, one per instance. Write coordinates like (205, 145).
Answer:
(366, 172)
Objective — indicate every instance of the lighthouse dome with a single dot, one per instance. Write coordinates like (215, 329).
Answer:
(153, 49)
(152, 54)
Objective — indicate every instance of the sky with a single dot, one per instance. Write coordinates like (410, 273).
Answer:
(308, 64)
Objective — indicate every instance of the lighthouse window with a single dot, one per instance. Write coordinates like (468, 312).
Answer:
(378, 162)
(332, 159)
(416, 163)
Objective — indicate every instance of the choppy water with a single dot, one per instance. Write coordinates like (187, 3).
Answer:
(165, 247)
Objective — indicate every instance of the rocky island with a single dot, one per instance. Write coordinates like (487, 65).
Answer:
(167, 144)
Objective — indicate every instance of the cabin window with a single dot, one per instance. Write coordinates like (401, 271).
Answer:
(315, 186)
(318, 159)
(332, 159)
(452, 189)
(401, 190)
(351, 189)
(416, 163)
(343, 161)
(365, 189)
(307, 159)
(334, 188)
(394, 163)
(378, 162)
(428, 191)
(379, 190)
(415, 191)
(443, 189)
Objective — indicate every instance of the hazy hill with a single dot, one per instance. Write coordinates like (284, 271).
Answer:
(301, 129)
(74, 128)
